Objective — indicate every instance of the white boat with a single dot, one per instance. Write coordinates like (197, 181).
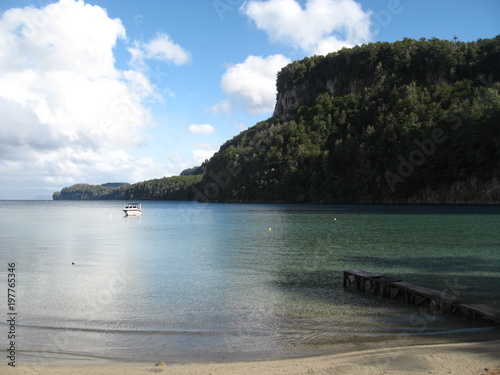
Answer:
(133, 209)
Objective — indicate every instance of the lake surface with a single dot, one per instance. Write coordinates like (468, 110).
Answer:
(191, 282)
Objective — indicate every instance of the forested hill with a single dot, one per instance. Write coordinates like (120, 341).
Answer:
(167, 188)
(410, 121)
(404, 122)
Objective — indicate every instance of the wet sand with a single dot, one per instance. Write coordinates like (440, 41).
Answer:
(441, 359)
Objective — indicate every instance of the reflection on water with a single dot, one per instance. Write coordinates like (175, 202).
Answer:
(192, 281)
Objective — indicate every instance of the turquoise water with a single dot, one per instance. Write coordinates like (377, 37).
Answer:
(218, 282)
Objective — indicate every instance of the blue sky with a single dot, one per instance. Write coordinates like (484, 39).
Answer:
(105, 90)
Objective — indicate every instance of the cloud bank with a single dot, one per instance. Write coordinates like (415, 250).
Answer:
(251, 85)
(161, 48)
(203, 151)
(67, 111)
(320, 27)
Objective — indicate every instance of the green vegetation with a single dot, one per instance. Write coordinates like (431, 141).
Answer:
(86, 192)
(194, 171)
(410, 121)
(115, 184)
(167, 188)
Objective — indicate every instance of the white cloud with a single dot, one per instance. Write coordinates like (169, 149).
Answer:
(94, 167)
(224, 106)
(201, 129)
(203, 152)
(199, 156)
(322, 26)
(252, 84)
(140, 85)
(58, 37)
(67, 112)
(161, 48)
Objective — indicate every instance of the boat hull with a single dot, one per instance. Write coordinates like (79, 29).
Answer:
(132, 212)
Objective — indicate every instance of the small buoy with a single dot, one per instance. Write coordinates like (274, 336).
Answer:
(334, 218)
(73, 263)
(270, 228)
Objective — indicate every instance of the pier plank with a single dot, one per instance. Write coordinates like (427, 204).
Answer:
(483, 310)
(414, 293)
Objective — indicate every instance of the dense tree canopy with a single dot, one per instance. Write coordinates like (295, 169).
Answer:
(411, 121)
(87, 191)
(167, 188)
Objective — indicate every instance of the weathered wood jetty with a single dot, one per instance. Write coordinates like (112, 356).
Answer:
(415, 294)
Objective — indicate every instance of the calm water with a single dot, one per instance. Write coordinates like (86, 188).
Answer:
(212, 282)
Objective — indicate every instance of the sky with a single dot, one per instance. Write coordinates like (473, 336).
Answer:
(96, 91)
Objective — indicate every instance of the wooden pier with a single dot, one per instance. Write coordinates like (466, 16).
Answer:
(415, 294)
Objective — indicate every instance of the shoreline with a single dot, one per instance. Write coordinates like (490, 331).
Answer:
(472, 358)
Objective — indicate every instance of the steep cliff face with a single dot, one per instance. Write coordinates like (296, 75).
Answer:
(304, 93)
(288, 100)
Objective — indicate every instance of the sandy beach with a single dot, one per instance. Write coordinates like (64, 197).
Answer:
(442, 359)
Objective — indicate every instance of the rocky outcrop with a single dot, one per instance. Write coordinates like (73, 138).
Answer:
(305, 92)
(291, 99)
